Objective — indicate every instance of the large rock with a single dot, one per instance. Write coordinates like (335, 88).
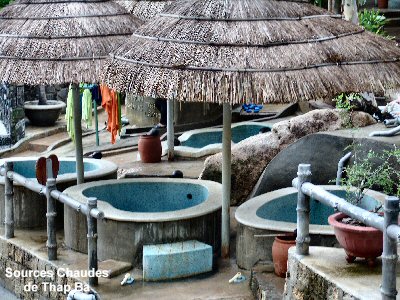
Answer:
(251, 156)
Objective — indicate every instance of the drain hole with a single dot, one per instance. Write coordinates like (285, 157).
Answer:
(189, 196)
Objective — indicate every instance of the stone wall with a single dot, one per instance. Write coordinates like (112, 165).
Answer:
(17, 258)
(252, 155)
(11, 114)
(303, 283)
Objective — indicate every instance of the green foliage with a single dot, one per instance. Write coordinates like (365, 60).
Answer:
(373, 21)
(344, 101)
(372, 171)
(4, 3)
(318, 3)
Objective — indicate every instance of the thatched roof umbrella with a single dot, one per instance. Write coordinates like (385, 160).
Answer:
(57, 41)
(144, 9)
(235, 51)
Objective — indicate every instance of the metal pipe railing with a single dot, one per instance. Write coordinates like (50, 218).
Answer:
(389, 255)
(52, 195)
(388, 224)
(51, 212)
(392, 122)
(92, 241)
(355, 212)
(303, 212)
(390, 132)
(41, 189)
(9, 203)
(340, 167)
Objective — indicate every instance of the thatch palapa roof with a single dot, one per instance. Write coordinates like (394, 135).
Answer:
(50, 41)
(144, 9)
(251, 50)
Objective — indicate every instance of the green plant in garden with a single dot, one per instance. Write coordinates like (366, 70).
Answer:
(374, 21)
(374, 171)
(344, 102)
(4, 3)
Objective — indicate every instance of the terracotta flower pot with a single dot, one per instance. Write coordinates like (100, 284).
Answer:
(150, 148)
(357, 241)
(280, 249)
(383, 4)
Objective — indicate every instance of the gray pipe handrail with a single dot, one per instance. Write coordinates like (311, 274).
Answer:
(52, 195)
(41, 189)
(391, 132)
(340, 167)
(388, 224)
(392, 122)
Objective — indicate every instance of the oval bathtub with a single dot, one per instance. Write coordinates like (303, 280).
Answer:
(29, 207)
(207, 141)
(275, 212)
(146, 211)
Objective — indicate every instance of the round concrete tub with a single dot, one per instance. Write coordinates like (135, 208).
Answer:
(146, 211)
(264, 216)
(29, 207)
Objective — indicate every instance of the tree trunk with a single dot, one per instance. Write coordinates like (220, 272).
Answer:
(350, 11)
(42, 95)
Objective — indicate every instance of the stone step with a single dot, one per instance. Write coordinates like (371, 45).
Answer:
(114, 267)
(393, 22)
(176, 260)
(41, 145)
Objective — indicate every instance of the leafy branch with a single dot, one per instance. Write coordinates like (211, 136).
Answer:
(373, 171)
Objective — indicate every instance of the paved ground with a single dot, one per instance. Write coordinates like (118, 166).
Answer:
(210, 286)
(6, 295)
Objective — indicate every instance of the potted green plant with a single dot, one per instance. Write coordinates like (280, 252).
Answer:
(374, 171)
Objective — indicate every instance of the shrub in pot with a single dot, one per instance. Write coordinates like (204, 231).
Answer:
(372, 171)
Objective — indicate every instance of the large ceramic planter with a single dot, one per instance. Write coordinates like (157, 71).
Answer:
(150, 148)
(280, 249)
(357, 241)
(43, 115)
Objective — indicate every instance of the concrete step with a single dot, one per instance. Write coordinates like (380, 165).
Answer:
(176, 260)
(41, 145)
(393, 22)
(390, 13)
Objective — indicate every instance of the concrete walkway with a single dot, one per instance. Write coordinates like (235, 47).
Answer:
(6, 295)
(325, 274)
(208, 286)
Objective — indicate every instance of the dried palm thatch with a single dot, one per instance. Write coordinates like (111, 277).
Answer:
(56, 41)
(251, 50)
(144, 9)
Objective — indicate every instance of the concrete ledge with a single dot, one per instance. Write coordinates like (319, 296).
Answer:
(325, 274)
(14, 256)
(176, 260)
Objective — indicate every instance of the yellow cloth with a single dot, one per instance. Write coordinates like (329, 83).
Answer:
(69, 116)
(87, 106)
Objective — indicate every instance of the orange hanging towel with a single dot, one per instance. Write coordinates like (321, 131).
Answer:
(110, 104)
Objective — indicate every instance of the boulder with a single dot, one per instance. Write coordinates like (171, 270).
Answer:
(252, 155)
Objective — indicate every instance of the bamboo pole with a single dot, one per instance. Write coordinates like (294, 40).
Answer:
(9, 203)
